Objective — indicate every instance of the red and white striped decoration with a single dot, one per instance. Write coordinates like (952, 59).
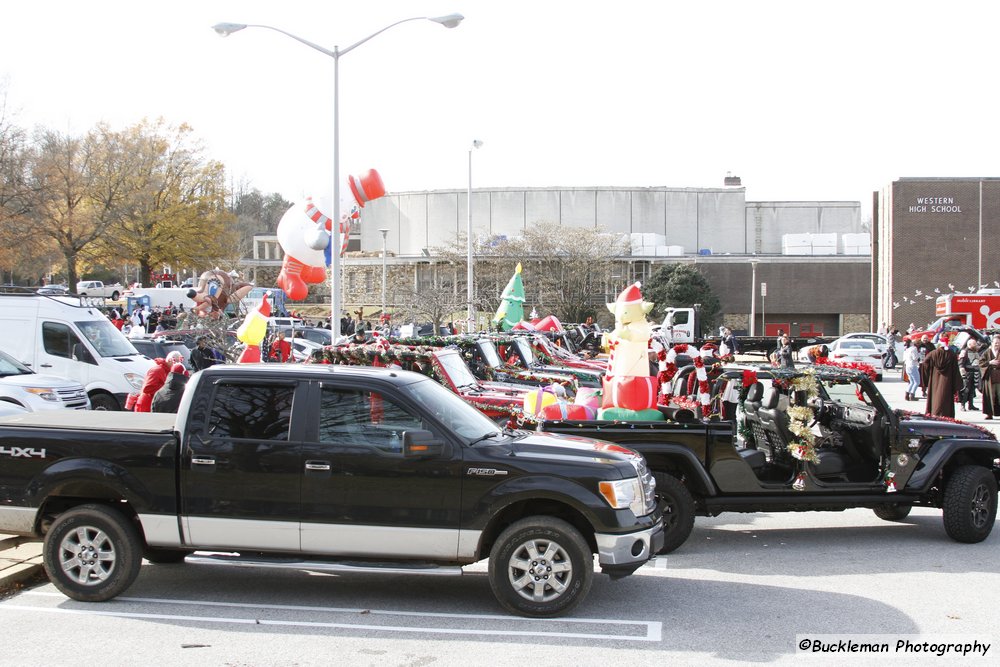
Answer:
(668, 369)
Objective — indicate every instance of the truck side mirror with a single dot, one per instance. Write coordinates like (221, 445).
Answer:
(421, 444)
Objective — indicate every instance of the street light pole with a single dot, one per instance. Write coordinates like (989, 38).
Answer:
(470, 293)
(226, 29)
(753, 297)
(384, 232)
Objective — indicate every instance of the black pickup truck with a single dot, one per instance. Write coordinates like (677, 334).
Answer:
(866, 454)
(325, 467)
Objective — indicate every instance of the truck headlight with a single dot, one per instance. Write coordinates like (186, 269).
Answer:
(47, 393)
(135, 380)
(625, 494)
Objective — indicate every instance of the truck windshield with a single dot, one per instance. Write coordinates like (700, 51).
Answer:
(10, 366)
(106, 339)
(457, 415)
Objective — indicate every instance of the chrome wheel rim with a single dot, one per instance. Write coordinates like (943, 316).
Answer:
(87, 556)
(540, 570)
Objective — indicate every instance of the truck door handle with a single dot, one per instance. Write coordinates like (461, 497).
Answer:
(46, 365)
(202, 461)
(318, 465)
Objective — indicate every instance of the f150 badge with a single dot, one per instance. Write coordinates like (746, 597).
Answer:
(487, 472)
(22, 452)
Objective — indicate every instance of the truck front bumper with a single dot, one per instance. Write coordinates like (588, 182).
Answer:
(621, 555)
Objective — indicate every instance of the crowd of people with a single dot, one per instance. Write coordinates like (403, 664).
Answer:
(945, 375)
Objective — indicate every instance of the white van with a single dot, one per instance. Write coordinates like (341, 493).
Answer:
(68, 337)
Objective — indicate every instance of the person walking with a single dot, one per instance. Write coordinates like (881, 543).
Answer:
(989, 366)
(939, 371)
(968, 367)
(911, 366)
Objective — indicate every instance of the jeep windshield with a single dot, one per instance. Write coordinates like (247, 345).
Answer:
(490, 354)
(458, 416)
(456, 369)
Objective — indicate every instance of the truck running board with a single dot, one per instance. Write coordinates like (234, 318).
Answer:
(325, 566)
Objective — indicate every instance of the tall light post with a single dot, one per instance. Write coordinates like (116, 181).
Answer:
(226, 29)
(469, 290)
(383, 232)
(753, 297)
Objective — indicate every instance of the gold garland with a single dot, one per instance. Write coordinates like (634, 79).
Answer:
(800, 416)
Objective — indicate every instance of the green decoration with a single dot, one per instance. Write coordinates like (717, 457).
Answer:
(511, 310)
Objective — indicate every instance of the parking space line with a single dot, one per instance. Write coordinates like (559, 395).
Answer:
(654, 629)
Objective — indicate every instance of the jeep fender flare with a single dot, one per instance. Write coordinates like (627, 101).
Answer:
(697, 478)
(943, 452)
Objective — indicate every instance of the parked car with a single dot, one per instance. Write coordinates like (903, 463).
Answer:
(881, 341)
(302, 348)
(22, 387)
(314, 334)
(858, 350)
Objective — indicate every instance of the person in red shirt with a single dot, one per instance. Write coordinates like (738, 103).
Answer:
(281, 349)
(156, 377)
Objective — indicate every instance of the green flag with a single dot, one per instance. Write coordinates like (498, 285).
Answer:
(511, 310)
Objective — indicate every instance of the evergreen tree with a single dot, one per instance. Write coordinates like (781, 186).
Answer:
(682, 286)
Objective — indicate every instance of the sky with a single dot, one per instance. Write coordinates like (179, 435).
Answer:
(803, 100)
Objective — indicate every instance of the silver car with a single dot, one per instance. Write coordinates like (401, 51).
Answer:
(21, 386)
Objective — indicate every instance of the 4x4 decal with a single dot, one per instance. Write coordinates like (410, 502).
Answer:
(19, 452)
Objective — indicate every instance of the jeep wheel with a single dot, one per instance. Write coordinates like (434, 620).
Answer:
(540, 566)
(892, 511)
(92, 553)
(970, 504)
(677, 507)
(159, 556)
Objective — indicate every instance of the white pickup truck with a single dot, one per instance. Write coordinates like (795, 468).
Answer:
(98, 288)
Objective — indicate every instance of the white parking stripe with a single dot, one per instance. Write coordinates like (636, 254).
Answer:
(654, 629)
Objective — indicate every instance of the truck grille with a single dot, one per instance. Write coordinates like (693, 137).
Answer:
(75, 398)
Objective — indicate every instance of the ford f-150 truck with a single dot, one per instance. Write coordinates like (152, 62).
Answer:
(327, 468)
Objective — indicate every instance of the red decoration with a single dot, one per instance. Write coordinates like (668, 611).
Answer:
(564, 410)
(749, 378)
(630, 392)
(867, 369)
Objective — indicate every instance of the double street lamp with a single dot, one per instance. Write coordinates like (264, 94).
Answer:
(226, 29)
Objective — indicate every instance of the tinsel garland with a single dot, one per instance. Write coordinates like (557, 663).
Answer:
(867, 369)
(800, 416)
(937, 418)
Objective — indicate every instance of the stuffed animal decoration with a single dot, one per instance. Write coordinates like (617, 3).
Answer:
(216, 290)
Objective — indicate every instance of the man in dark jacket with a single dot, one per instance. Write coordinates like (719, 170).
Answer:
(168, 397)
(202, 356)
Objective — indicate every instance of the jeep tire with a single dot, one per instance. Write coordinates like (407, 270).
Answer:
(92, 553)
(677, 506)
(540, 566)
(970, 504)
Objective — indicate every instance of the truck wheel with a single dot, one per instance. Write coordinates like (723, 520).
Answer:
(970, 504)
(92, 553)
(104, 402)
(540, 566)
(677, 507)
(892, 511)
(115, 295)
(165, 556)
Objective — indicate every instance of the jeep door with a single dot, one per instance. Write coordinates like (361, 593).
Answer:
(360, 496)
(241, 466)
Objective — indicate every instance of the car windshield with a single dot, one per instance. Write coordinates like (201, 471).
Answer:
(848, 393)
(10, 366)
(490, 354)
(106, 339)
(458, 372)
(457, 415)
